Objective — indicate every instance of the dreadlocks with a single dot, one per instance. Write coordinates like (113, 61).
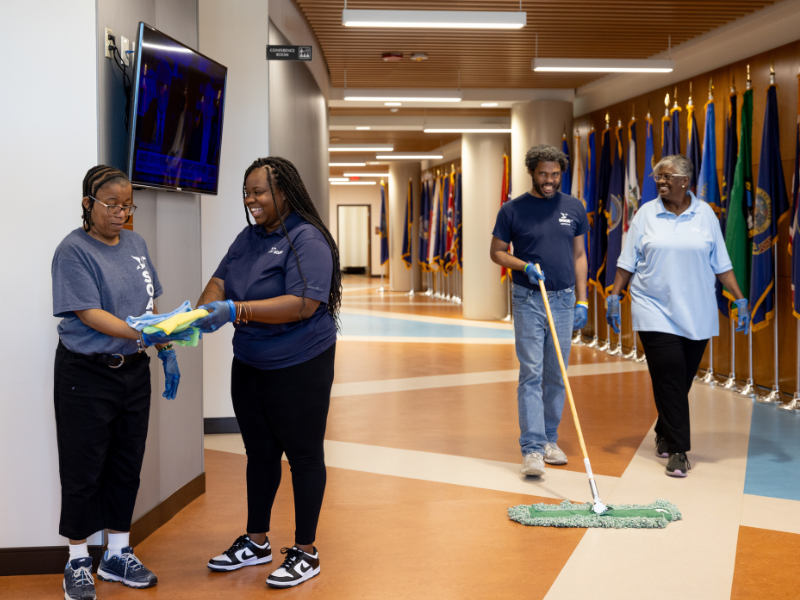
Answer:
(97, 177)
(283, 174)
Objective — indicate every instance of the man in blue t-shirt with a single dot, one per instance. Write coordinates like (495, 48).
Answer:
(546, 227)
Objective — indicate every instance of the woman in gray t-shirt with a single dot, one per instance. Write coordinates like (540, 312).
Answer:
(101, 275)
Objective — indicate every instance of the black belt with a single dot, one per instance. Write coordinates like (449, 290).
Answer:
(115, 361)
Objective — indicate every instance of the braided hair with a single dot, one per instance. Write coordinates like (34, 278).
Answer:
(97, 177)
(283, 174)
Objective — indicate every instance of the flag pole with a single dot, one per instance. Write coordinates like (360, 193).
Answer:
(708, 378)
(634, 353)
(617, 349)
(794, 405)
(593, 343)
(643, 357)
(730, 384)
(774, 397)
(749, 388)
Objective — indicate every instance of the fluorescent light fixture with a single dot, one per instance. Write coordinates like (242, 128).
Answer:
(436, 19)
(362, 128)
(402, 95)
(360, 148)
(366, 174)
(470, 130)
(353, 182)
(487, 104)
(372, 162)
(356, 164)
(416, 156)
(601, 65)
(338, 179)
(393, 104)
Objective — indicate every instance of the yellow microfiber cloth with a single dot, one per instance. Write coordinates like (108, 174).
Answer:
(180, 321)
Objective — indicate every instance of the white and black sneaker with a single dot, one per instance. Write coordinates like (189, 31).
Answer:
(244, 553)
(298, 567)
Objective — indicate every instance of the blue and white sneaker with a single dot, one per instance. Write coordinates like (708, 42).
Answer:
(78, 582)
(127, 569)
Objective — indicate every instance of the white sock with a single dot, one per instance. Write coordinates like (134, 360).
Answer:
(116, 542)
(78, 550)
(264, 545)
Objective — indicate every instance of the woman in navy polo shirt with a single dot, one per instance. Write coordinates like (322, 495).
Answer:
(280, 285)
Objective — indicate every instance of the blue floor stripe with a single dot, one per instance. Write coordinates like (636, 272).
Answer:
(773, 457)
(381, 326)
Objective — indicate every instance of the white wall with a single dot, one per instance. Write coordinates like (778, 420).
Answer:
(359, 194)
(354, 236)
(403, 279)
(236, 35)
(45, 152)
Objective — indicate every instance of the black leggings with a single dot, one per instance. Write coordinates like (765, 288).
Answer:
(284, 410)
(673, 361)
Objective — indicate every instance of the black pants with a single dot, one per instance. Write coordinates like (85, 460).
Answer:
(101, 425)
(673, 361)
(284, 410)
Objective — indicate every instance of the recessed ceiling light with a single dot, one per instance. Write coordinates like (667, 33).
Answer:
(488, 103)
(362, 128)
(360, 148)
(470, 130)
(338, 179)
(353, 164)
(353, 182)
(436, 19)
(393, 104)
(366, 174)
(415, 156)
(602, 65)
(373, 162)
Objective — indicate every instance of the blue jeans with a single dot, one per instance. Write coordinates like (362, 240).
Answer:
(540, 394)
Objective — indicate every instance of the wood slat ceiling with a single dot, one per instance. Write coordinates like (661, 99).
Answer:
(502, 58)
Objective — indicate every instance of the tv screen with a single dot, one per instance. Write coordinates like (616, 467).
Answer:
(176, 122)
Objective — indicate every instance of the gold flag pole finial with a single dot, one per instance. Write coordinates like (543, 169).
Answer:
(748, 77)
(675, 98)
(608, 120)
(690, 94)
(710, 88)
(666, 105)
(772, 74)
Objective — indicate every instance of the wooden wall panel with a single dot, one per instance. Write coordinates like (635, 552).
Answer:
(786, 61)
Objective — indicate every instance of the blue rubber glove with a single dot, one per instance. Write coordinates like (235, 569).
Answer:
(151, 339)
(220, 313)
(534, 276)
(172, 375)
(743, 322)
(612, 312)
(581, 316)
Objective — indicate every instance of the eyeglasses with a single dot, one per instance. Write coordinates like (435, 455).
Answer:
(114, 210)
(666, 176)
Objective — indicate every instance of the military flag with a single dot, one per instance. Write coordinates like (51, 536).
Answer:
(707, 184)
(666, 134)
(433, 242)
(424, 224)
(576, 185)
(407, 239)
(599, 231)
(649, 189)
(736, 227)
(443, 221)
(451, 222)
(729, 159)
(795, 231)
(566, 176)
(693, 145)
(632, 194)
(457, 228)
(615, 211)
(675, 128)
(771, 206)
(384, 227)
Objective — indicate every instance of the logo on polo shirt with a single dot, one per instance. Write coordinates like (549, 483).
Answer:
(148, 281)
(274, 250)
(565, 220)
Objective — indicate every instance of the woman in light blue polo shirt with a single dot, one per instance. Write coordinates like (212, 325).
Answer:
(673, 252)
(280, 284)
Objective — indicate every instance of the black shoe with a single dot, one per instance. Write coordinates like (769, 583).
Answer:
(678, 465)
(243, 553)
(661, 447)
(78, 583)
(298, 567)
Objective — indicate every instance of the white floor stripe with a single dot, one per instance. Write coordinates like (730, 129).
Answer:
(426, 319)
(441, 381)
(423, 340)
(693, 558)
(771, 513)
(355, 288)
(557, 484)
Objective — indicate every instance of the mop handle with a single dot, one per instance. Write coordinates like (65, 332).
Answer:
(561, 365)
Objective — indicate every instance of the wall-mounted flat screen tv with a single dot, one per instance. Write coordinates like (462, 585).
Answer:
(178, 102)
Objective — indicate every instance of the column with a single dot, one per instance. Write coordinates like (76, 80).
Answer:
(401, 278)
(482, 176)
(532, 123)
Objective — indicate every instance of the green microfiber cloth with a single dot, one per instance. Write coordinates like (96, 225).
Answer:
(193, 341)
(618, 516)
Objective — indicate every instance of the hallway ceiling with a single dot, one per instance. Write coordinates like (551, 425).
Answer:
(502, 58)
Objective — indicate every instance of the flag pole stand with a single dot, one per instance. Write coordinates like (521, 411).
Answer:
(634, 353)
(749, 389)
(593, 343)
(708, 378)
(730, 384)
(794, 405)
(643, 357)
(774, 397)
(381, 289)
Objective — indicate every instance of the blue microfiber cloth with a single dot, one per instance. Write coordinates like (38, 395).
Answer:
(147, 322)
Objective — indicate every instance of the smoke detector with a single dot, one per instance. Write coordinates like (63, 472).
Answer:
(419, 56)
(392, 56)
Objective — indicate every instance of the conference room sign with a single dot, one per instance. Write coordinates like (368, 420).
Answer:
(288, 52)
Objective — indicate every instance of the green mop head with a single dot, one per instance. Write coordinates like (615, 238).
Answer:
(618, 516)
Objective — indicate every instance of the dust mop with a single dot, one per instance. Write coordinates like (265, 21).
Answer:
(595, 514)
